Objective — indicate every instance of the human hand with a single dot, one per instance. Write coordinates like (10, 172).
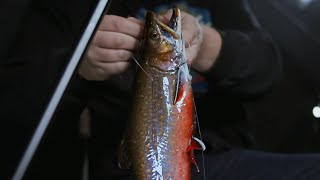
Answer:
(203, 43)
(111, 48)
(191, 33)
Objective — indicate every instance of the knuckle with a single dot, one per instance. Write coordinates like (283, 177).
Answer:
(95, 56)
(119, 42)
(98, 55)
(91, 57)
(113, 19)
(109, 18)
(109, 55)
(98, 38)
(118, 24)
(123, 55)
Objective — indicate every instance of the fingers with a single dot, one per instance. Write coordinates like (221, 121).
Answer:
(116, 32)
(112, 47)
(112, 68)
(101, 63)
(129, 26)
(115, 40)
(191, 33)
(135, 20)
(192, 53)
(165, 18)
(191, 30)
(101, 71)
(190, 26)
(109, 55)
(193, 41)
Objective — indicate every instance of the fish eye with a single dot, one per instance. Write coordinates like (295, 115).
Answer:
(153, 35)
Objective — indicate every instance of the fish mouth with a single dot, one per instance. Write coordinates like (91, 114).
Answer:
(171, 28)
(164, 43)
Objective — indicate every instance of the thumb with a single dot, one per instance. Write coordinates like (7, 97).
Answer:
(165, 17)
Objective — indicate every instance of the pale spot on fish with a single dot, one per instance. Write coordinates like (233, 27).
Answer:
(165, 83)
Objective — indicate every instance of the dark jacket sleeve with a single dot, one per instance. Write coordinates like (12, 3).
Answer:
(30, 67)
(248, 64)
(39, 53)
(249, 61)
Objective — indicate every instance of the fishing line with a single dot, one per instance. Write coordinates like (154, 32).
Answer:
(199, 129)
(188, 44)
(152, 92)
(187, 59)
(142, 68)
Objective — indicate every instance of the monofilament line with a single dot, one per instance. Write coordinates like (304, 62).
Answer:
(202, 154)
(142, 68)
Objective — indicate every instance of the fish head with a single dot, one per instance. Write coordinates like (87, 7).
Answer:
(164, 47)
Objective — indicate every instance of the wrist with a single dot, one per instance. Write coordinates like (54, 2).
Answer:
(209, 50)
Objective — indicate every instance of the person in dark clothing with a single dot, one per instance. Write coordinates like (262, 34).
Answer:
(239, 62)
(36, 40)
(241, 67)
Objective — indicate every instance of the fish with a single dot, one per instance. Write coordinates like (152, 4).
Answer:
(159, 141)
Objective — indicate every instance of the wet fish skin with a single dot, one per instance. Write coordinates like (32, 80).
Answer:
(161, 127)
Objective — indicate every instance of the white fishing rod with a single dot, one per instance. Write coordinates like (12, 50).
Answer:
(99, 11)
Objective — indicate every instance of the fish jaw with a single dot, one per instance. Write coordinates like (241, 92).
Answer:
(163, 43)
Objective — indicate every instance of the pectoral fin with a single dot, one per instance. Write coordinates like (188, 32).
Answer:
(183, 78)
(178, 88)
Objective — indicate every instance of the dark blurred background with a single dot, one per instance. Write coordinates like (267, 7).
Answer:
(283, 120)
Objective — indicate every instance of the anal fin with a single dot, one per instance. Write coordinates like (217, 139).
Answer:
(195, 144)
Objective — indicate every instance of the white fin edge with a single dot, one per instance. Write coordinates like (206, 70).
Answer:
(203, 146)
